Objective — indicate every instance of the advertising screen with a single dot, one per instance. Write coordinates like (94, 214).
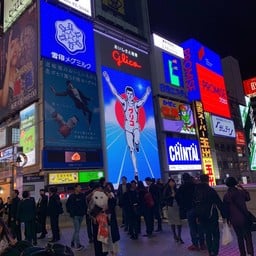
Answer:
(129, 16)
(223, 127)
(3, 137)
(176, 116)
(250, 86)
(203, 56)
(63, 178)
(88, 175)
(71, 107)
(18, 69)
(240, 138)
(172, 70)
(12, 11)
(28, 133)
(183, 154)
(66, 37)
(65, 159)
(213, 92)
(130, 126)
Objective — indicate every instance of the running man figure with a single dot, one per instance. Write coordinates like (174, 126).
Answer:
(130, 107)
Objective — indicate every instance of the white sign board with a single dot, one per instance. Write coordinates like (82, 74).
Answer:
(223, 127)
(83, 6)
(12, 10)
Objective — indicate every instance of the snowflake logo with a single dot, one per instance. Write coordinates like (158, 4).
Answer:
(70, 36)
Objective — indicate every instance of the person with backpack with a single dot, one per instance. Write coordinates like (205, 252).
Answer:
(206, 202)
(185, 195)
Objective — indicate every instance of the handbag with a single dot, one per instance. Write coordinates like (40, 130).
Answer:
(227, 236)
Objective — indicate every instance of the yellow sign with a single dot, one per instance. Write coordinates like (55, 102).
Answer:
(208, 169)
(63, 178)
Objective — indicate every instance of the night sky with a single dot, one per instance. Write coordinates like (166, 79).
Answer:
(225, 26)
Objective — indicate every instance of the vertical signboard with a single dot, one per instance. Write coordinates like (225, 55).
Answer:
(28, 133)
(18, 74)
(250, 87)
(66, 37)
(204, 78)
(129, 116)
(204, 142)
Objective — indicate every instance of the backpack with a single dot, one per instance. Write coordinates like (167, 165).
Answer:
(149, 201)
(203, 206)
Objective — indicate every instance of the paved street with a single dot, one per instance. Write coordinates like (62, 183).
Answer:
(161, 244)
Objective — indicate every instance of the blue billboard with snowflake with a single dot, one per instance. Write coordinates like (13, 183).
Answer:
(66, 37)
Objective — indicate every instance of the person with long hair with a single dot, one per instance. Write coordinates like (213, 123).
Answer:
(5, 237)
(169, 197)
(237, 214)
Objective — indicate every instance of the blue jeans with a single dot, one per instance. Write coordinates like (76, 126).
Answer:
(77, 221)
(196, 230)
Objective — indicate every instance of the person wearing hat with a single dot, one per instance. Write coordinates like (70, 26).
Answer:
(237, 214)
(41, 208)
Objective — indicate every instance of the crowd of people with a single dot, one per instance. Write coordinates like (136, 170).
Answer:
(150, 200)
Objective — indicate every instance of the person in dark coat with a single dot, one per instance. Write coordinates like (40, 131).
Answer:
(15, 225)
(54, 209)
(184, 196)
(207, 201)
(26, 212)
(42, 212)
(237, 214)
(76, 207)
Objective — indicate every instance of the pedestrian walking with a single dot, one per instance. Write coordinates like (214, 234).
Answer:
(169, 197)
(76, 207)
(237, 214)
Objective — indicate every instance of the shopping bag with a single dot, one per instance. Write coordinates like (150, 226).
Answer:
(227, 236)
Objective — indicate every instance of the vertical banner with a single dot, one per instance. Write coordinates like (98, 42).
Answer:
(18, 73)
(130, 126)
(204, 142)
(28, 133)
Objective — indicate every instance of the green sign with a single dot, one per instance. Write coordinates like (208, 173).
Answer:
(86, 176)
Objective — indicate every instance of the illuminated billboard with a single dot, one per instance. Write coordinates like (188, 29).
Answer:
(3, 137)
(83, 6)
(130, 126)
(172, 70)
(176, 116)
(240, 138)
(18, 69)
(204, 78)
(28, 133)
(66, 37)
(12, 10)
(71, 107)
(213, 92)
(223, 127)
(244, 110)
(183, 154)
(250, 87)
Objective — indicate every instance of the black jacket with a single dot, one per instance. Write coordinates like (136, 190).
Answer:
(76, 205)
(26, 210)
(42, 205)
(54, 205)
(14, 207)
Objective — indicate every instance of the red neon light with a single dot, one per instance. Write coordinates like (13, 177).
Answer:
(122, 58)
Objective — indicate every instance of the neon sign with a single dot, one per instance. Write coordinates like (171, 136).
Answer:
(123, 59)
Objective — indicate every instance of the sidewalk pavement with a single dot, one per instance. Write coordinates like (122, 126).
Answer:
(161, 244)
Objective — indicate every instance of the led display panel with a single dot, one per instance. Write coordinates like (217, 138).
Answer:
(172, 70)
(213, 92)
(183, 154)
(250, 87)
(66, 37)
(18, 69)
(176, 116)
(28, 133)
(71, 107)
